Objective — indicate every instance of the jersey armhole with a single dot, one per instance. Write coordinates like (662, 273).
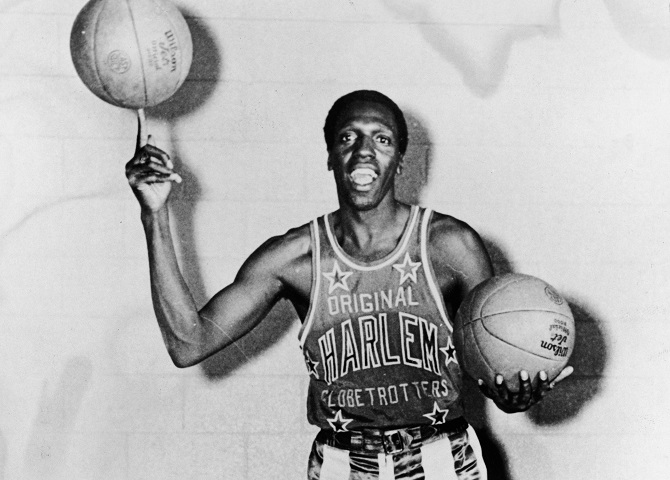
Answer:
(430, 276)
(316, 280)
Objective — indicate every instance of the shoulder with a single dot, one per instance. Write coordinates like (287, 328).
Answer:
(455, 247)
(446, 233)
(281, 256)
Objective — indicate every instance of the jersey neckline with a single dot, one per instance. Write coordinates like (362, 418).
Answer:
(382, 262)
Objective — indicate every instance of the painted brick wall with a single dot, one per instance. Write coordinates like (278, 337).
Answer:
(541, 123)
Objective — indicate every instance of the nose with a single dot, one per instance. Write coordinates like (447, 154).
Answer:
(364, 147)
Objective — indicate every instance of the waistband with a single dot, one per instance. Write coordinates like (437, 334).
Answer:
(375, 440)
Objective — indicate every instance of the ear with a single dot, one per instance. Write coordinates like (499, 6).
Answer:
(329, 163)
(400, 165)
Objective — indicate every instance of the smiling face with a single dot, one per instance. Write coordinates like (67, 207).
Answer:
(365, 154)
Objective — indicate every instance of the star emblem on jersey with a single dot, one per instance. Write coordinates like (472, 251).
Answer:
(337, 278)
(338, 423)
(407, 269)
(449, 352)
(311, 365)
(437, 416)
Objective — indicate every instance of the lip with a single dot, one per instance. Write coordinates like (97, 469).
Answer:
(356, 166)
(362, 187)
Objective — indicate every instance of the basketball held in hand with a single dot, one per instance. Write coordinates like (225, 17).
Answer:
(131, 53)
(510, 323)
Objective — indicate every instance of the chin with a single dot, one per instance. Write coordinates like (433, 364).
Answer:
(364, 204)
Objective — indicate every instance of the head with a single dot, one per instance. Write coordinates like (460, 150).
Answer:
(371, 96)
(366, 136)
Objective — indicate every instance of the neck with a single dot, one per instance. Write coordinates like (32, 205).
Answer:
(371, 233)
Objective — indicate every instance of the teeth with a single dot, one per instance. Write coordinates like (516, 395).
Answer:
(363, 176)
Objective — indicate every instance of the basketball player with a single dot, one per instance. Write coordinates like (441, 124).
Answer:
(376, 285)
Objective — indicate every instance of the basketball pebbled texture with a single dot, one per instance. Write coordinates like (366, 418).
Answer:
(131, 53)
(510, 323)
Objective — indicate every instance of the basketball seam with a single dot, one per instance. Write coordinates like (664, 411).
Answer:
(505, 285)
(139, 51)
(95, 59)
(502, 312)
(516, 346)
(481, 307)
(481, 353)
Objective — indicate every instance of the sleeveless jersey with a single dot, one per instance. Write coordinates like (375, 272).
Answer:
(377, 340)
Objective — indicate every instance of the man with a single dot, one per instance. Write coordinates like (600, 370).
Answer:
(376, 285)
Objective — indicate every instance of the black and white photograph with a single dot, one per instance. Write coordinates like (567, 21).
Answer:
(334, 239)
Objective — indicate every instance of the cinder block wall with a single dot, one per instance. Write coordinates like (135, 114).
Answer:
(541, 123)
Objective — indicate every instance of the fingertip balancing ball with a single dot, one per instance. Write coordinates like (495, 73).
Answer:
(510, 323)
(131, 53)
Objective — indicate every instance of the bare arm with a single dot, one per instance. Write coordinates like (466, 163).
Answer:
(191, 335)
(463, 263)
(459, 259)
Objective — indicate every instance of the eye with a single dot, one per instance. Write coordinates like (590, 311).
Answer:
(384, 140)
(346, 137)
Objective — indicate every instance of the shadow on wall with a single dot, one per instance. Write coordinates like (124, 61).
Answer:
(200, 84)
(3, 456)
(47, 448)
(589, 356)
(198, 87)
(481, 58)
(643, 29)
(416, 165)
(589, 359)
(409, 187)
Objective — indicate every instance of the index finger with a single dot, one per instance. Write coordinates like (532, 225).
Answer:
(141, 130)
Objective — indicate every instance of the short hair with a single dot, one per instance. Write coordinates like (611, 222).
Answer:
(365, 96)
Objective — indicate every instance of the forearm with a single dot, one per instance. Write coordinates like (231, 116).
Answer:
(173, 303)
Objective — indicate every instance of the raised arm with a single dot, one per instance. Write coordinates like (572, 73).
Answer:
(191, 335)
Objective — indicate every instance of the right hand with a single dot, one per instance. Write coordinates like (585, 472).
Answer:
(150, 174)
(510, 401)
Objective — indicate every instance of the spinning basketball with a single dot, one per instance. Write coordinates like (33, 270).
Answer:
(511, 323)
(131, 53)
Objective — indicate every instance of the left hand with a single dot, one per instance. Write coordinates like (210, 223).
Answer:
(511, 402)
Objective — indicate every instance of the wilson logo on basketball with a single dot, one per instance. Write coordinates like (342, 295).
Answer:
(557, 349)
(118, 62)
(555, 345)
(553, 296)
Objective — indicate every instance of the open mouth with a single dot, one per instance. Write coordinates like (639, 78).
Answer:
(363, 176)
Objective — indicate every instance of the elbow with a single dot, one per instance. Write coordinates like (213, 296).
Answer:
(180, 362)
(183, 358)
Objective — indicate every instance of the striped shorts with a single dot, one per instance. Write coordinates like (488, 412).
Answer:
(444, 456)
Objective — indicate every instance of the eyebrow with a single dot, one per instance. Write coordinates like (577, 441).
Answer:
(353, 122)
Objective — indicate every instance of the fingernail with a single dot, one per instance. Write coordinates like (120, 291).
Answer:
(499, 380)
(175, 177)
(170, 165)
(524, 375)
(543, 375)
(480, 382)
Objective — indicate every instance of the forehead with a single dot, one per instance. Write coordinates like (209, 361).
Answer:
(366, 112)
